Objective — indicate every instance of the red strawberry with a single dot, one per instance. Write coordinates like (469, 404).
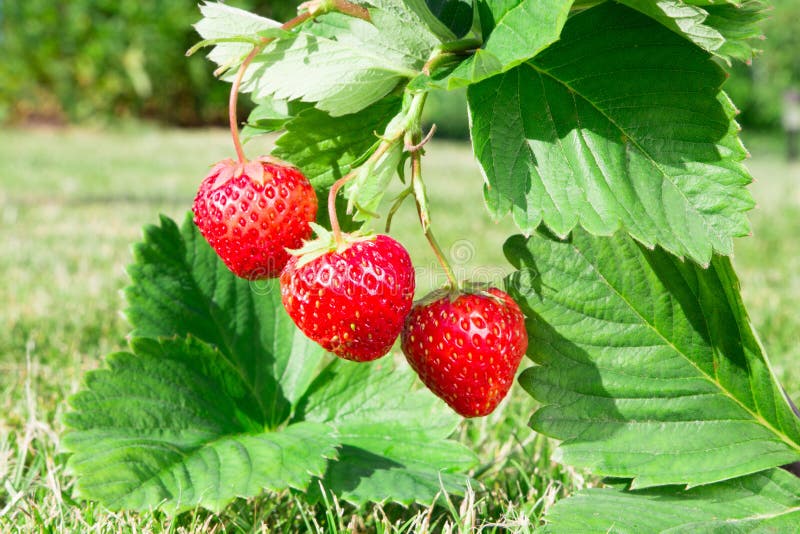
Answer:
(352, 300)
(251, 213)
(466, 347)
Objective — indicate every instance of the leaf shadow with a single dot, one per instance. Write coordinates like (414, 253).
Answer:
(352, 467)
(565, 379)
(569, 385)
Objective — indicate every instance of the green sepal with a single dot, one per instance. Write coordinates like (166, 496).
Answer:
(325, 243)
(463, 288)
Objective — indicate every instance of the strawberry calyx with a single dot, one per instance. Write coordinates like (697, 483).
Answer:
(482, 289)
(253, 169)
(325, 243)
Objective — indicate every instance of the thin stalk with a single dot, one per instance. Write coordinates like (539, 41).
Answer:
(414, 114)
(233, 99)
(448, 51)
(416, 176)
(396, 206)
(342, 6)
(412, 119)
(335, 228)
(461, 46)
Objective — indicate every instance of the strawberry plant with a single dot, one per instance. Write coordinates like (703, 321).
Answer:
(601, 128)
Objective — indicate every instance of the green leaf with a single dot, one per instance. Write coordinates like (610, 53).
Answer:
(269, 116)
(180, 287)
(683, 19)
(620, 123)
(174, 424)
(366, 191)
(649, 367)
(513, 32)
(740, 24)
(342, 64)
(724, 30)
(326, 147)
(457, 15)
(224, 22)
(763, 502)
(361, 402)
(413, 14)
(210, 403)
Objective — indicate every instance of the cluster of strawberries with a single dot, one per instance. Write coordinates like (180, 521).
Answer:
(354, 295)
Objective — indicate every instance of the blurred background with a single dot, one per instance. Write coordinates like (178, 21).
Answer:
(104, 123)
(103, 60)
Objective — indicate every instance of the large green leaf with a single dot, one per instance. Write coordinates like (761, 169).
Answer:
(513, 32)
(173, 424)
(648, 367)
(180, 287)
(221, 396)
(340, 63)
(620, 123)
(724, 30)
(362, 404)
(763, 502)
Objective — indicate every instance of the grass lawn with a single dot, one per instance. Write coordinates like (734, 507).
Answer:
(72, 202)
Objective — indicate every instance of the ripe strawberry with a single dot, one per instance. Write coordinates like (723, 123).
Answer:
(353, 299)
(466, 347)
(251, 213)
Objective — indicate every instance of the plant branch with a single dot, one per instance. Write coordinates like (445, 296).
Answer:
(419, 194)
(406, 128)
(319, 7)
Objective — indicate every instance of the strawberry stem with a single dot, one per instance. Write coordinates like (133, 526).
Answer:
(232, 101)
(424, 219)
(335, 228)
(409, 123)
(447, 51)
(313, 9)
